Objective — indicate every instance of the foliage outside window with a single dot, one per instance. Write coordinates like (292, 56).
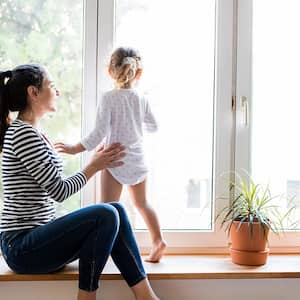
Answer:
(49, 33)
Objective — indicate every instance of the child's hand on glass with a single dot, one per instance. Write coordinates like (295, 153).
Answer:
(69, 149)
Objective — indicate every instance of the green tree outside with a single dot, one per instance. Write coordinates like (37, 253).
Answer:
(49, 33)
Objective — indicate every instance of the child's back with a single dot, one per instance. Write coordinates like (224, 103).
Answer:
(127, 113)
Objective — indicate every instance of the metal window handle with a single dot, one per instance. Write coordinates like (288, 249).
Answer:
(245, 107)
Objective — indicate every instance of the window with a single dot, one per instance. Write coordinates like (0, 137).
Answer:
(43, 32)
(183, 75)
(197, 55)
(268, 63)
(193, 104)
(276, 63)
(178, 76)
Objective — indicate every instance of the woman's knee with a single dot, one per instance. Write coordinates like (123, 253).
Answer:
(120, 208)
(106, 214)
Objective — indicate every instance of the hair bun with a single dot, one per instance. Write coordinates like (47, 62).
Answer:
(128, 60)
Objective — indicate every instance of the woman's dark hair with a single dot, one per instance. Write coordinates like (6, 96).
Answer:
(13, 92)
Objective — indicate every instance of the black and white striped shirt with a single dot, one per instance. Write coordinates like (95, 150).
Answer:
(32, 179)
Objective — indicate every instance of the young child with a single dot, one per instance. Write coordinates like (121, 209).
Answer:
(121, 116)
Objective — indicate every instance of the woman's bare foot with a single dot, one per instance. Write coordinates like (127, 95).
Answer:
(143, 291)
(157, 252)
(84, 295)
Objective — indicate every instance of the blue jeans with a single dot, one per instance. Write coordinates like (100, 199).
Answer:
(89, 234)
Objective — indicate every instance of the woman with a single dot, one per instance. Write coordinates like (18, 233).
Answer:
(33, 241)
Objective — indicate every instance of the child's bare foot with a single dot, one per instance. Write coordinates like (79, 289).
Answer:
(157, 252)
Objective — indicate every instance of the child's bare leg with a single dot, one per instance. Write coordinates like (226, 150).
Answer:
(138, 195)
(110, 188)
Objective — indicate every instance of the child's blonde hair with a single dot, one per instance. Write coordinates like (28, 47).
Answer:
(124, 65)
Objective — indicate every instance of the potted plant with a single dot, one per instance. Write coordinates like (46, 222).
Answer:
(249, 218)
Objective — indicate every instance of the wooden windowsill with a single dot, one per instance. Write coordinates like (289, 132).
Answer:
(180, 267)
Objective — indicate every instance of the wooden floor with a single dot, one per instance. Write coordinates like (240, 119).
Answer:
(180, 267)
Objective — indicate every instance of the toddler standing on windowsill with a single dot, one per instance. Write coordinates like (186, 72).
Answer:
(121, 116)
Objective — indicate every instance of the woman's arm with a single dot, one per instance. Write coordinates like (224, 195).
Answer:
(30, 149)
(104, 158)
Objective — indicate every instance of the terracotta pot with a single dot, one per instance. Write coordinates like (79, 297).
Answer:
(248, 248)
(249, 258)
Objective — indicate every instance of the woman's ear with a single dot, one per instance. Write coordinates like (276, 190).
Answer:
(138, 74)
(32, 91)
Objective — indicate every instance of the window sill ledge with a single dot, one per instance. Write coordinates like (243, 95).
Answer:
(180, 267)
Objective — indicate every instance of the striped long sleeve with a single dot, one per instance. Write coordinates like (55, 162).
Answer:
(33, 153)
(32, 181)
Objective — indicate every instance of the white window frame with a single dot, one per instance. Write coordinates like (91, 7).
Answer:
(89, 94)
(290, 241)
(231, 136)
(99, 38)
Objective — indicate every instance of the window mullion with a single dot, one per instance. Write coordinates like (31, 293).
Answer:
(105, 42)
(89, 86)
(243, 86)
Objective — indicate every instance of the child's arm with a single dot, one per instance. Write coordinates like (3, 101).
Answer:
(149, 119)
(102, 125)
(69, 149)
(95, 137)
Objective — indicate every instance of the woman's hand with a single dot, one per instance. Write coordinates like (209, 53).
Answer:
(69, 149)
(108, 157)
(105, 158)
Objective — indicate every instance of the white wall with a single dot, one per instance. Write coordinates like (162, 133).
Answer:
(209, 289)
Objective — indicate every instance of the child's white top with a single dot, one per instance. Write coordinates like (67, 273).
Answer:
(121, 116)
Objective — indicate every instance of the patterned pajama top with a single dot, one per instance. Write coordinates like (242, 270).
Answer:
(121, 117)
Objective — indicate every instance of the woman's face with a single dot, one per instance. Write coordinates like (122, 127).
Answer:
(47, 95)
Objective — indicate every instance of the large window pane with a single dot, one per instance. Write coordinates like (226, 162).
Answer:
(50, 33)
(176, 41)
(276, 106)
